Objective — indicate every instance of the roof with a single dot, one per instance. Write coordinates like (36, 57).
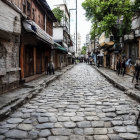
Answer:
(32, 27)
(59, 47)
(48, 9)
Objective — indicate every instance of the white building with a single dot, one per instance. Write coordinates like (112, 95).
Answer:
(61, 36)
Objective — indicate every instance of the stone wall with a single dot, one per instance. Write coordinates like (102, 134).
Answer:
(9, 63)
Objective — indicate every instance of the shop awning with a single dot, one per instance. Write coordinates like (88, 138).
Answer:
(59, 47)
(103, 40)
(32, 27)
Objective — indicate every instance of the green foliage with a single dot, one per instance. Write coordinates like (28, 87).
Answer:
(59, 14)
(84, 48)
(105, 16)
(136, 6)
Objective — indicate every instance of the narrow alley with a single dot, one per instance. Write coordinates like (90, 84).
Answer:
(80, 105)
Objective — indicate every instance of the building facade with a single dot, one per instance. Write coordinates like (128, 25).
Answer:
(36, 38)
(10, 31)
(61, 35)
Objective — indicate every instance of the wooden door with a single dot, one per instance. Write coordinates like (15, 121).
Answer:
(38, 61)
(28, 61)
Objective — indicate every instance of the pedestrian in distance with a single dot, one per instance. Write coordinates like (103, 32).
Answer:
(137, 70)
(123, 66)
(50, 68)
(118, 66)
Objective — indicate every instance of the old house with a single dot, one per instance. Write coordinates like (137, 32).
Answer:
(10, 30)
(62, 38)
(36, 38)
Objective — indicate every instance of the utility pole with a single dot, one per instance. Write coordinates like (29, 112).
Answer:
(76, 26)
(76, 23)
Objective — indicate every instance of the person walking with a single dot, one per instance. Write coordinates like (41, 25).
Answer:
(137, 70)
(50, 67)
(123, 66)
(118, 66)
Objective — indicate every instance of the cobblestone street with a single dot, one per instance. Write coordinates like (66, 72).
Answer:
(80, 105)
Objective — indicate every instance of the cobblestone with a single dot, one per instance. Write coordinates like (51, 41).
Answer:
(80, 105)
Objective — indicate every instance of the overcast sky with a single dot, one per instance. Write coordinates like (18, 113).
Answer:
(83, 25)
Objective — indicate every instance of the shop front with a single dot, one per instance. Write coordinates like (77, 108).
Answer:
(35, 52)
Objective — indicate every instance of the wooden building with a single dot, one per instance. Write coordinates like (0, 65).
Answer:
(36, 38)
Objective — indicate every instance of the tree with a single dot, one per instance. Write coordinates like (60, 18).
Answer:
(105, 16)
(84, 48)
(59, 14)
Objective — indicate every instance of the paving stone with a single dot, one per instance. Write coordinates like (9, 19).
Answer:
(129, 122)
(43, 119)
(92, 118)
(17, 115)
(2, 131)
(114, 123)
(100, 131)
(114, 137)
(42, 139)
(45, 125)
(63, 119)
(69, 114)
(77, 137)
(27, 121)
(88, 131)
(97, 124)
(107, 124)
(77, 118)
(109, 110)
(132, 129)
(84, 124)
(47, 114)
(58, 125)
(33, 134)
(90, 113)
(101, 137)
(122, 112)
(53, 119)
(89, 138)
(110, 115)
(9, 126)
(69, 124)
(61, 131)
(120, 129)
(128, 136)
(2, 137)
(45, 133)
(25, 127)
(78, 131)
(58, 138)
(73, 106)
(110, 130)
(15, 120)
(101, 115)
(16, 134)
(25, 116)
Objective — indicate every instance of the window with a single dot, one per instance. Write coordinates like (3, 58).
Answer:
(24, 6)
(39, 19)
(28, 9)
(33, 14)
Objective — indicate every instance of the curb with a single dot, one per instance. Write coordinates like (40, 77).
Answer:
(10, 108)
(127, 91)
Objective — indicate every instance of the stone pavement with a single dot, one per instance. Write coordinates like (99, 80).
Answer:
(80, 105)
(11, 100)
(123, 83)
